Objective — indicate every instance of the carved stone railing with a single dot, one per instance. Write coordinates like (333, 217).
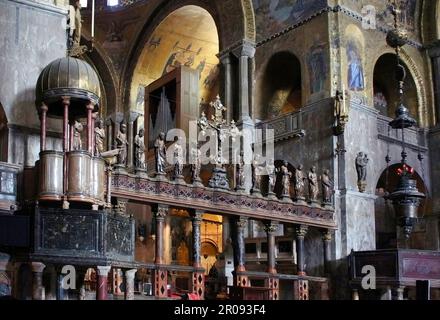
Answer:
(150, 190)
(415, 138)
(285, 127)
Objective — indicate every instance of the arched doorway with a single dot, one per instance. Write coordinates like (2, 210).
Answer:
(186, 37)
(281, 86)
(386, 96)
(209, 255)
(385, 217)
(3, 135)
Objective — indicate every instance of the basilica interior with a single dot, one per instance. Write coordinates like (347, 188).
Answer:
(101, 200)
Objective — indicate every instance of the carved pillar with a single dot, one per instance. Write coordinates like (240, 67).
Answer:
(198, 276)
(129, 284)
(244, 53)
(327, 240)
(102, 282)
(228, 95)
(240, 279)
(43, 129)
(301, 232)
(271, 228)
(90, 108)
(37, 285)
(116, 281)
(160, 273)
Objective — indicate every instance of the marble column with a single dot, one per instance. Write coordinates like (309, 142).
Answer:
(129, 284)
(43, 126)
(160, 273)
(37, 285)
(271, 228)
(301, 232)
(90, 132)
(245, 52)
(272, 281)
(434, 52)
(102, 282)
(240, 265)
(327, 241)
(198, 276)
(226, 61)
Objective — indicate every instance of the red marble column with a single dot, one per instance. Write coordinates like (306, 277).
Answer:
(301, 232)
(37, 285)
(43, 128)
(129, 284)
(272, 282)
(241, 280)
(102, 282)
(90, 108)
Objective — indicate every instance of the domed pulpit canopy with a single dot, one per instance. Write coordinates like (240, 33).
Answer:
(68, 77)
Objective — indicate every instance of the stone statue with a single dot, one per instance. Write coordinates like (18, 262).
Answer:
(219, 108)
(327, 187)
(270, 168)
(300, 183)
(160, 153)
(361, 168)
(241, 177)
(99, 137)
(196, 166)
(178, 160)
(77, 130)
(139, 144)
(286, 175)
(75, 23)
(122, 145)
(256, 174)
(313, 185)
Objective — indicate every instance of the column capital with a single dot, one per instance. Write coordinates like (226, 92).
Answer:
(132, 116)
(225, 57)
(43, 107)
(129, 274)
(197, 216)
(242, 222)
(271, 226)
(37, 267)
(245, 49)
(90, 105)
(103, 270)
(161, 211)
(66, 100)
(327, 235)
(301, 230)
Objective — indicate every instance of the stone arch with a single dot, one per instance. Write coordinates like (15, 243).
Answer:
(385, 217)
(414, 73)
(234, 20)
(281, 88)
